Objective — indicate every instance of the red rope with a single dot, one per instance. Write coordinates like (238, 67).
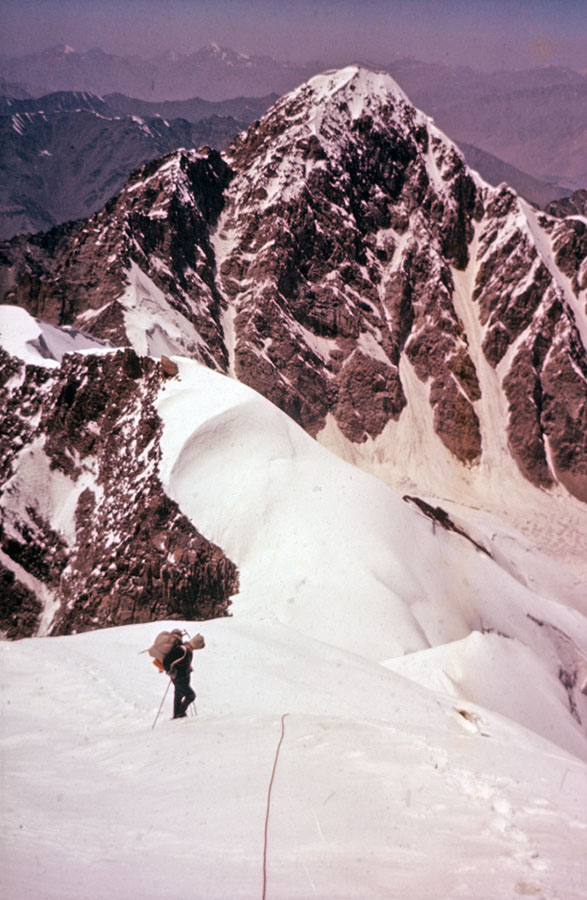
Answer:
(269, 804)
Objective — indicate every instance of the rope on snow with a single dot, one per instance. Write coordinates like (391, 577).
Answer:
(269, 805)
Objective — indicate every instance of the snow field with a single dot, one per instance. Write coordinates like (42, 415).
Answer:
(382, 788)
(496, 673)
(453, 770)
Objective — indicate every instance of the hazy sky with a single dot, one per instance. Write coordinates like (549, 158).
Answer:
(487, 34)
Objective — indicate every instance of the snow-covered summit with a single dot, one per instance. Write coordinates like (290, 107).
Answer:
(367, 89)
(325, 111)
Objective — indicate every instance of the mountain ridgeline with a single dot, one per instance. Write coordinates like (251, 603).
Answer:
(69, 146)
(336, 239)
(341, 259)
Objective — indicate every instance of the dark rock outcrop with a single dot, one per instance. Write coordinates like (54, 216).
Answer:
(106, 543)
(575, 205)
(439, 516)
(20, 608)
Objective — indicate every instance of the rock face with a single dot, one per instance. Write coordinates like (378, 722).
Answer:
(575, 205)
(533, 323)
(86, 526)
(341, 259)
(350, 241)
(94, 273)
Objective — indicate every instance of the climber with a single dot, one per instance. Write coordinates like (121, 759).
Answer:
(174, 656)
(177, 664)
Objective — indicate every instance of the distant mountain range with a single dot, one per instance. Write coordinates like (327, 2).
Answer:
(540, 130)
(213, 72)
(532, 121)
(64, 155)
(194, 109)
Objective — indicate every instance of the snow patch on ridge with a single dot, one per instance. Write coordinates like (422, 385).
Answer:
(39, 344)
(37, 491)
(223, 241)
(492, 407)
(153, 326)
(543, 244)
(37, 486)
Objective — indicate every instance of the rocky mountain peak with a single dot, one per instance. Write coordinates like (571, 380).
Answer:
(342, 259)
(213, 52)
(354, 224)
(335, 116)
(330, 101)
(341, 178)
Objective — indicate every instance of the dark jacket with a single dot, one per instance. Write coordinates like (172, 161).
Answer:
(178, 661)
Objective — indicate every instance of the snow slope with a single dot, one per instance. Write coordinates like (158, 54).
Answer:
(382, 789)
(429, 744)
(329, 550)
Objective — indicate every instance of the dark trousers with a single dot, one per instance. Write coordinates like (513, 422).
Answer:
(184, 695)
